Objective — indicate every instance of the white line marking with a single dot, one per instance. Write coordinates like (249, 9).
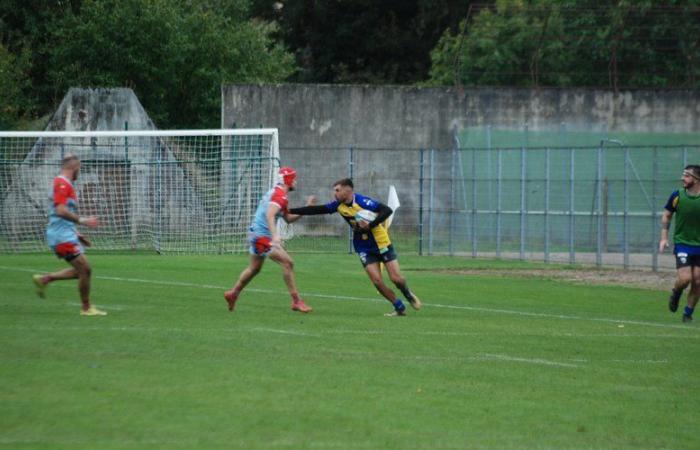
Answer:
(527, 360)
(295, 333)
(346, 297)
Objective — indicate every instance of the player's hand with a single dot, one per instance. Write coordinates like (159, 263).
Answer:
(276, 241)
(663, 245)
(85, 241)
(90, 221)
(311, 200)
(362, 225)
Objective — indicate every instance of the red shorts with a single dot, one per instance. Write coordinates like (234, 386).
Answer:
(260, 245)
(68, 250)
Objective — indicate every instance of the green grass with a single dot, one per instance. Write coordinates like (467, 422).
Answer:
(490, 362)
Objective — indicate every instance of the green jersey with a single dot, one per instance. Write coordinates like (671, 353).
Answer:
(686, 209)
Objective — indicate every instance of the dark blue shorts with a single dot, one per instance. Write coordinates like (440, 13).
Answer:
(377, 256)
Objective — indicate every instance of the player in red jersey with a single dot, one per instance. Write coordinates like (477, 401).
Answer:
(265, 241)
(63, 237)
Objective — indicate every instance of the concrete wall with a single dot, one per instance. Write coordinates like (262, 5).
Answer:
(323, 116)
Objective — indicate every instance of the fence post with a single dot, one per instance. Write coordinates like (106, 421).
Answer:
(572, 207)
(546, 204)
(499, 175)
(351, 164)
(452, 203)
(475, 235)
(599, 206)
(654, 221)
(523, 200)
(420, 204)
(625, 216)
(431, 201)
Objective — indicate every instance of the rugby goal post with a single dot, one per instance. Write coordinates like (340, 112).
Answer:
(191, 191)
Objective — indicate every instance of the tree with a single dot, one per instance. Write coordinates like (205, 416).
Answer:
(362, 41)
(175, 55)
(648, 43)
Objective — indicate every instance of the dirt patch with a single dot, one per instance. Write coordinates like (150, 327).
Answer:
(639, 279)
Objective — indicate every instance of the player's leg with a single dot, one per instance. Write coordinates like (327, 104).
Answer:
(42, 280)
(693, 295)
(683, 278)
(394, 271)
(375, 276)
(82, 267)
(64, 250)
(281, 257)
(254, 267)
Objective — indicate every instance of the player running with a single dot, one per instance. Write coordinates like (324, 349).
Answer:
(64, 239)
(686, 238)
(265, 241)
(370, 240)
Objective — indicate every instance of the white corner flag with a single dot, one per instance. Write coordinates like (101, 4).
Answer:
(393, 203)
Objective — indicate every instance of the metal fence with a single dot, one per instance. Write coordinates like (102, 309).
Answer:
(597, 205)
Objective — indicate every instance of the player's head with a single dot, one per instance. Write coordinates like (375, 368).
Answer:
(343, 190)
(70, 165)
(288, 177)
(691, 175)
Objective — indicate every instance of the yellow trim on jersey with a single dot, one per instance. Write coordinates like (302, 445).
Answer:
(381, 235)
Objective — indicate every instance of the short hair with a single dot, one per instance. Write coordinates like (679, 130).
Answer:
(694, 170)
(344, 182)
(68, 161)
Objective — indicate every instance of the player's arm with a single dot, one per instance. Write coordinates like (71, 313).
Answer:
(63, 212)
(271, 217)
(289, 217)
(665, 225)
(666, 217)
(383, 213)
(310, 210)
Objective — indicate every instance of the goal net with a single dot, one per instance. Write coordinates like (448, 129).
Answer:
(191, 191)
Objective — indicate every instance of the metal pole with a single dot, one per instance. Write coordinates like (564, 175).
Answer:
(499, 176)
(474, 203)
(351, 164)
(420, 205)
(431, 201)
(572, 209)
(598, 208)
(546, 205)
(523, 202)
(654, 221)
(625, 216)
(452, 202)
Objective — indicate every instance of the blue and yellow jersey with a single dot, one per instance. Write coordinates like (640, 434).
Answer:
(374, 240)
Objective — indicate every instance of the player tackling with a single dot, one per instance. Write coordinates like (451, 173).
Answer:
(63, 237)
(685, 204)
(265, 241)
(370, 240)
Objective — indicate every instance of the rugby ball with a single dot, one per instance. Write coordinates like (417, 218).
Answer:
(365, 215)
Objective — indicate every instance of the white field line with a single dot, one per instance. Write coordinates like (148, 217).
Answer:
(490, 356)
(347, 297)
(294, 333)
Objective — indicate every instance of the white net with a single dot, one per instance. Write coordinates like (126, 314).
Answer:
(189, 191)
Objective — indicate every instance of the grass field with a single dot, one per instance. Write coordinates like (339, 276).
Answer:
(492, 361)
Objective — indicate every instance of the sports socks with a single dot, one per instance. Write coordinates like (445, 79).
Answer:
(399, 306)
(406, 292)
(688, 311)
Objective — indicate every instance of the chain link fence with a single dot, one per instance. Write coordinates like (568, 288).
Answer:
(596, 205)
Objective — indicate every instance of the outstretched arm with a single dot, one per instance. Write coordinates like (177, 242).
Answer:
(310, 210)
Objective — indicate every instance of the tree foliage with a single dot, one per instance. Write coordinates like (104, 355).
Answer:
(648, 43)
(362, 41)
(174, 54)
